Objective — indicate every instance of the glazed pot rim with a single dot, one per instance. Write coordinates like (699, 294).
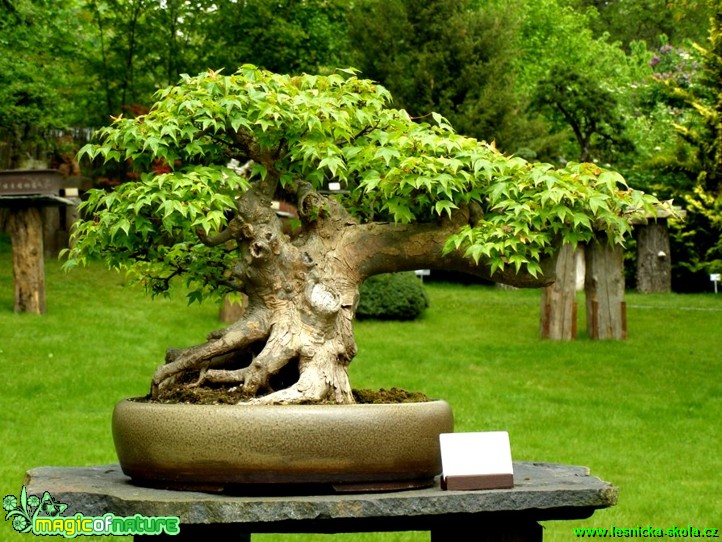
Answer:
(182, 404)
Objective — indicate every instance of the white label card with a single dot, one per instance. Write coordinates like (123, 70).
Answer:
(476, 460)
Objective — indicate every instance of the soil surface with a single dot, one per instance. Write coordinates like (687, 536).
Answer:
(231, 395)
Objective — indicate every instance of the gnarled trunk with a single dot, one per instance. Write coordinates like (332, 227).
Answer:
(302, 296)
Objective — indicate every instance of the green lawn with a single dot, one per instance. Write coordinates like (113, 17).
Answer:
(643, 414)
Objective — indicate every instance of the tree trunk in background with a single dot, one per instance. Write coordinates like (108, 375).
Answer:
(604, 287)
(232, 310)
(654, 265)
(559, 302)
(25, 226)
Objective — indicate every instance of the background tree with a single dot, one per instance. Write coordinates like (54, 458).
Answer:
(145, 45)
(283, 36)
(480, 64)
(450, 56)
(564, 66)
(695, 89)
(39, 80)
(141, 46)
(574, 100)
(646, 20)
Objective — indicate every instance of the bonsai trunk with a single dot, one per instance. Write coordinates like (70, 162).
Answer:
(295, 340)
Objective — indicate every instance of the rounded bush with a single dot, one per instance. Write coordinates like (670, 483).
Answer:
(392, 296)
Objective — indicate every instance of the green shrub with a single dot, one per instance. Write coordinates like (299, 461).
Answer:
(392, 296)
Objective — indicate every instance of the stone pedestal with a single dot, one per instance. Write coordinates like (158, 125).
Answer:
(541, 492)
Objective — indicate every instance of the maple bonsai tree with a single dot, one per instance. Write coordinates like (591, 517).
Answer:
(415, 195)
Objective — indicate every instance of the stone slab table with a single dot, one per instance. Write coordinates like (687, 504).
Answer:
(541, 492)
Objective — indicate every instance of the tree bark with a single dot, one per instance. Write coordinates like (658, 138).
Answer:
(559, 301)
(25, 226)
(604, 286)
(654, 265)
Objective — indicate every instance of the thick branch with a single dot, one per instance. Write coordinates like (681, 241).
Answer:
(385, 248)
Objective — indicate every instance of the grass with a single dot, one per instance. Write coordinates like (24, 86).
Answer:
(643, 413)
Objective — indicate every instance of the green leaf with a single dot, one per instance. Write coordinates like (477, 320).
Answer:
(370, 181)
(444, 206)
(597, 202)
(442, 122)
(582, 219)
(387, 154)
(90, 150)
(400, 210)
(611, 179)
(332, 163)
(518, 260)
(259, 169)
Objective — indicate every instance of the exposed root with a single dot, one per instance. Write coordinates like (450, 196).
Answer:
(220, 346)
(322, 379)
(219, 376)
(287, 396)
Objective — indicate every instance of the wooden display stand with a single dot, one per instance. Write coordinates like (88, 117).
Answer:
(604, 290)
(559, 300)
(24, 193)
(604, 286)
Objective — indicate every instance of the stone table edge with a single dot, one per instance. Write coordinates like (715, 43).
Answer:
(100, 489)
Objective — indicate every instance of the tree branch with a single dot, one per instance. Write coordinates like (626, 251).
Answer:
(388, 248)
(216, 240)
(246, 143)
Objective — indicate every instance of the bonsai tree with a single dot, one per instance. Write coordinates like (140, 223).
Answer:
(416, 194)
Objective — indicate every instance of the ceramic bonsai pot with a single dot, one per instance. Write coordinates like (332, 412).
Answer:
(247, 447)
